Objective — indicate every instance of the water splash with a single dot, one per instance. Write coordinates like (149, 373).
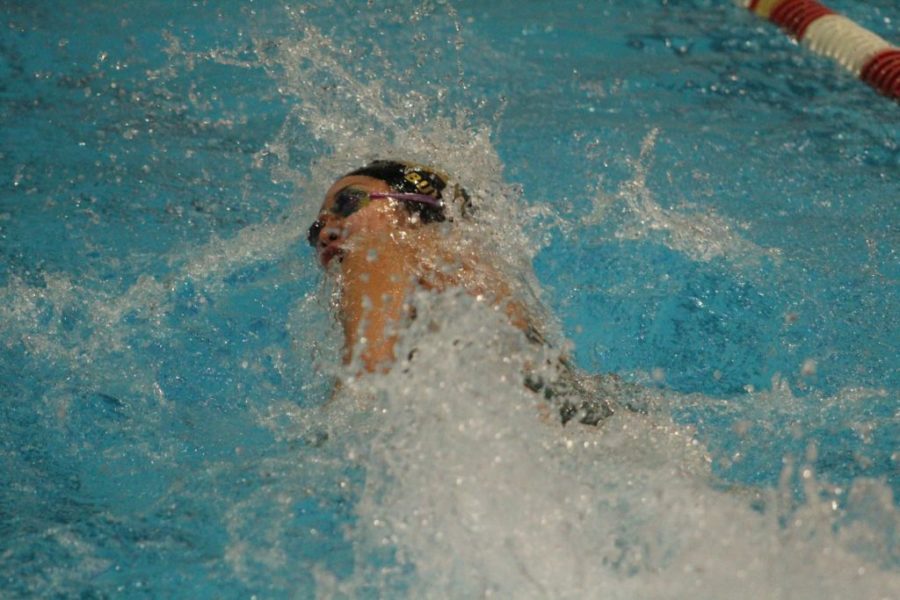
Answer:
(476, 495)
(702, 236)
(441, 478)
(467, 490)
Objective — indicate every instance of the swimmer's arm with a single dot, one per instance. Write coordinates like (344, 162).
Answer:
(369, 321)
(373, 304)
(367, 332)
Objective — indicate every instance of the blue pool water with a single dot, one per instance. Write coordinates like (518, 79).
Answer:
(705, 209)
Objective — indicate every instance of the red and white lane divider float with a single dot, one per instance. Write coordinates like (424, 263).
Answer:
(860, 51)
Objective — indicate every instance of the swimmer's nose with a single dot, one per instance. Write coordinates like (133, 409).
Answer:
(328, 235)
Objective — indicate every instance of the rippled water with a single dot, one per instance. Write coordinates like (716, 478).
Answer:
(702, 208)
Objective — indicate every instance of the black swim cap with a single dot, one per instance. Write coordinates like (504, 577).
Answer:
(417, 179)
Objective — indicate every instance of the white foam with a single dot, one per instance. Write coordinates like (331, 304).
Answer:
(481, 496)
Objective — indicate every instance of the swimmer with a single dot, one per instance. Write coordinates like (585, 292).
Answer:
(387, 230)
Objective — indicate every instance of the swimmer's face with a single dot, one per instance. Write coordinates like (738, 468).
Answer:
(346, 212)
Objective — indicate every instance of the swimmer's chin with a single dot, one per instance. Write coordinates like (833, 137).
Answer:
(330, 254)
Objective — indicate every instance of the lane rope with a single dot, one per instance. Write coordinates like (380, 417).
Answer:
(863, 53)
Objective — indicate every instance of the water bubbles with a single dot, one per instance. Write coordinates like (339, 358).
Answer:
(679, 46)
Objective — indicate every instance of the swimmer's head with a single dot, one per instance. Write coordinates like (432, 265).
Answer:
(412, 178)
(421, 190)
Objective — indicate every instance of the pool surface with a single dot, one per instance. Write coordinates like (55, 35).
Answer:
(703, 207)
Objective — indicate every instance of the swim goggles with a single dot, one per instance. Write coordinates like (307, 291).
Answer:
(350, 200)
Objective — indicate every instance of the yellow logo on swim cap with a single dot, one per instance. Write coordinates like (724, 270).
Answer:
(422, 185)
